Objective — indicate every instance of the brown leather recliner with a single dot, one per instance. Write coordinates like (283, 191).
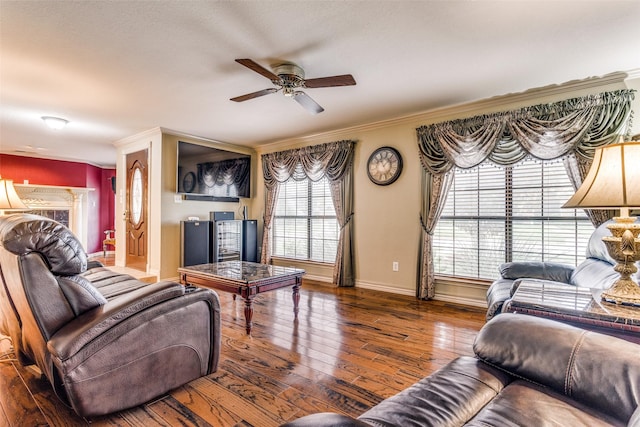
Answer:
(528, 371)
(105, 341)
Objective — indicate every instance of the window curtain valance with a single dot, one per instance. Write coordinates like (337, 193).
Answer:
(545, 131)
(333, 160)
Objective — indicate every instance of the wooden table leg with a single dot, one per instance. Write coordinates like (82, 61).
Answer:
(248, 313)
(296, 297)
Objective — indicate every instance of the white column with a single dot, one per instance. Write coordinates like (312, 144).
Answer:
(76, 219)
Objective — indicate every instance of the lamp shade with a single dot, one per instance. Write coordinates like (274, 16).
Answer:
(613, 181)
(8, 197)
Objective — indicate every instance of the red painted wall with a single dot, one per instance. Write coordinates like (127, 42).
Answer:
(69, 174)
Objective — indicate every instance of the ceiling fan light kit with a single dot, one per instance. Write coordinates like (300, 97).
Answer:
(289, 77)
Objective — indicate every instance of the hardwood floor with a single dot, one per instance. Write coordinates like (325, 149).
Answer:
(348, 350)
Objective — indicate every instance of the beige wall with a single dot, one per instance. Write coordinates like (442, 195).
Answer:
(174, 209)
(386, 218)
(145, 140)
(166, 208)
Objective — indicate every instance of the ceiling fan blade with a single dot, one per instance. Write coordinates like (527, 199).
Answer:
(254, 94)
(309, 104)
(252, 65)
(343, 80)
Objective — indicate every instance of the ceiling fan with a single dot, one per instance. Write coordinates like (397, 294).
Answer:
(289, 78)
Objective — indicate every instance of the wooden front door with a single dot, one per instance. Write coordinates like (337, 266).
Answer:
(136, 210)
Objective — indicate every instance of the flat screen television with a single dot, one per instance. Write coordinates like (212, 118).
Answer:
(212, 173)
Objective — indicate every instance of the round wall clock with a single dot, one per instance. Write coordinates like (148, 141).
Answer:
(189, 182)
(384, 165)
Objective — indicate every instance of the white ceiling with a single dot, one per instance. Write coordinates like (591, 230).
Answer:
(116, 68)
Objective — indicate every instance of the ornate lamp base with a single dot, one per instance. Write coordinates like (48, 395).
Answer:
(623, 292)
(624, 246)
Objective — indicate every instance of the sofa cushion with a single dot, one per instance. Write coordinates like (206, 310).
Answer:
(450, 396)
(601, 371)
(80, 294)
(557, 272)
(112, 284)
(596, 248)
(21, 234)
(522, 403)
(497, 294)
(594, 274)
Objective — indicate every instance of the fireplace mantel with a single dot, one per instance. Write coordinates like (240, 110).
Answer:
(53, 197)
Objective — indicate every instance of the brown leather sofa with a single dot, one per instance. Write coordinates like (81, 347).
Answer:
(105, 341)
(594, 272)
(528, 371)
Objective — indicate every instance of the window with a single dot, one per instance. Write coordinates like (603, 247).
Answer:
(500, 214)
(305, 225)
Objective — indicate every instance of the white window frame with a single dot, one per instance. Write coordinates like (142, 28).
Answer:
(328, 242)
(583, 229)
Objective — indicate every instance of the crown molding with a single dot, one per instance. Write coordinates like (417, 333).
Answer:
(633, 74)
(209, 141)
(35, 155)
(460, 110)
(136, 137)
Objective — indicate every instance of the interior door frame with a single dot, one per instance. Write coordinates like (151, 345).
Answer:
(144, 142)
(134, 260)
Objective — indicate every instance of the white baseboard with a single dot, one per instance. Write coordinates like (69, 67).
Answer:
(385, 288)
(460, 300)
(316, 278)
(101, 254)
(438, 297)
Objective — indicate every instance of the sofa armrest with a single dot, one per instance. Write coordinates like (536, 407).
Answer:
(537, 270)
(600, 371)
(594, 274)
(93, 323)
(498, 292)
(326, 419)
(94, 264)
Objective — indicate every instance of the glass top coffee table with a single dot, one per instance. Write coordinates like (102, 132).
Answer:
(579, 306)
(246, 279)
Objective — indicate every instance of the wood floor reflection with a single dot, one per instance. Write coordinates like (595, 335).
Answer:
(348, 350)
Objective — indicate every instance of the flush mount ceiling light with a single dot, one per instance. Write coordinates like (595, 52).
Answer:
(55, 123)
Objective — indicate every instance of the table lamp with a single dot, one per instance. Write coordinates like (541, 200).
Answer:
(613, 182)
(9, 199)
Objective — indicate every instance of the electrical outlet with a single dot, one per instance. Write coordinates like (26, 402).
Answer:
(396, 266)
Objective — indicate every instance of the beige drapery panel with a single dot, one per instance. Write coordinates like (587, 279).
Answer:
(434, 195)
(571, 129)
(333, 160)
(577, 168)
(270, 197)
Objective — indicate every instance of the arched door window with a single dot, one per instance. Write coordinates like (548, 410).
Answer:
(136, 196)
